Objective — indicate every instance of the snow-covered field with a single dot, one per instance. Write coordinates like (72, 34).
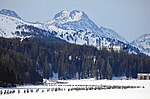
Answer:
(63, 90)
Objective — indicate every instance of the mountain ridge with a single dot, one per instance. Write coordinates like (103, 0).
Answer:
(72, 26)
(9, 13)
(143, 43)
(68, 21)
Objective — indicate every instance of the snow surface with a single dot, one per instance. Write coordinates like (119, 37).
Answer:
(77, 20)
(137, 93)
(66, 16)
(143, 43)
(9, 13)
(8, 26)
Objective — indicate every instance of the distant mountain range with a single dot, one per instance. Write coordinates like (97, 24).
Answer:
(73, 27)
(143, 43)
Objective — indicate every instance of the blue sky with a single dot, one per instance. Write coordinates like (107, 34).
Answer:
(130, 18)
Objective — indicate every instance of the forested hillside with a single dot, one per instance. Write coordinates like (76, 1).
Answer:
(31, 59)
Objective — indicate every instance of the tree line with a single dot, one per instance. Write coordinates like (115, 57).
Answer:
(30, 60)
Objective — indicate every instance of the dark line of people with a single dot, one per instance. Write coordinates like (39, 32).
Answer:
(70, 88)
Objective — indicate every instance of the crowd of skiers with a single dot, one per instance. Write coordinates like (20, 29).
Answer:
(67, 88)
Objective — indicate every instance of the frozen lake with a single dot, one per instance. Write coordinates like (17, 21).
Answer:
(67, 89)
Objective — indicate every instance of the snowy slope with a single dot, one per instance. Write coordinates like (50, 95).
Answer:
(9, 21)
(8, 25)
(143, 43)
(9, 13)
(75, 20)
(76, 27)
(112, 34)
(79, 21)
(73, 27)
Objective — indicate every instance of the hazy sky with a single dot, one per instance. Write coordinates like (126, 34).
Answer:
(130, 18)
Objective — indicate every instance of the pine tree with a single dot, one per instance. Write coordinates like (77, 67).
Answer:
(108, 70)
(102, 70)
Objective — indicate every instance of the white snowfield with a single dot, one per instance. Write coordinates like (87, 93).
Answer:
(49, 92)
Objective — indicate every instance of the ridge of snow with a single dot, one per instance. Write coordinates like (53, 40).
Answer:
(111, 33)
(143, 43)
(78, 20)
(8, 26)
(66, 16)
(9, 13)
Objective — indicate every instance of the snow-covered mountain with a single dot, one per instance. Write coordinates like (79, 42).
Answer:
(10, 23)
(73, 27)
(75, 21)
(143, 43)
(10, 13)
